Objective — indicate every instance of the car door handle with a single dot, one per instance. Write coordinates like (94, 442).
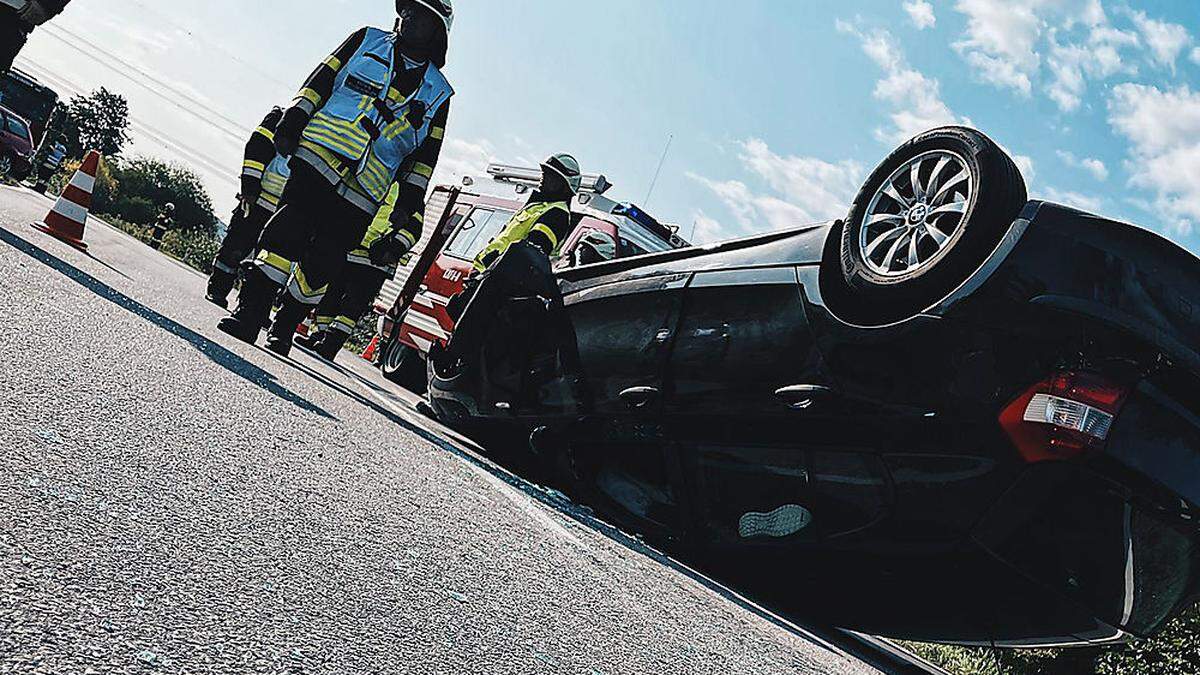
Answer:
(639, 397)
(803, 396)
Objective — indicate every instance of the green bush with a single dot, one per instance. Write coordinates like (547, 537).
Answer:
(1175, 651)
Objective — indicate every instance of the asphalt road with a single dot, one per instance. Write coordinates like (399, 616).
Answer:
(173, 501)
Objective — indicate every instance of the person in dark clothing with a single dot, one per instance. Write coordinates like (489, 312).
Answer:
(164, 222)
(18, 18)
(540, 227)
(264, 175)
(372, 114)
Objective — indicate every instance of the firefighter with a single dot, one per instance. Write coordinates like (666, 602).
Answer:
(367, 269)
(164, 221)
(264, 175)
(540, 227)
(373, 114)
(595, 247)
(52, 155)
(18, 18)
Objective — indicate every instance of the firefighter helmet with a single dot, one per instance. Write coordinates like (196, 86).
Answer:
(596, 246)
(568, 167)
(442, 8)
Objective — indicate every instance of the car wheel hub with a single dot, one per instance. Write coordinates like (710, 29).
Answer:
(916, 213)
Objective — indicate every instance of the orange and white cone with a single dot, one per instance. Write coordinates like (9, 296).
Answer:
(369, 352)
(68, 218)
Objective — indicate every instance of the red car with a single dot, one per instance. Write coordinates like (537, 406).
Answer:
(467, 222)
(16, 145)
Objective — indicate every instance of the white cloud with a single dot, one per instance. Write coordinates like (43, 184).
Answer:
(1195, 56)
(1012, 44)
(706, 229)
(1090, 164)
(463, 158)
(1163, 128)
(921, 13)
(915, 98)
(801, 190)
(1166, 41)
(1076, 200)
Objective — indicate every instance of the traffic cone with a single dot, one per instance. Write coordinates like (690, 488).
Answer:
(369, 353)
(69, 215)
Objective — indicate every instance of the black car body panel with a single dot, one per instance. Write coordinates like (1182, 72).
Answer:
(723, 382)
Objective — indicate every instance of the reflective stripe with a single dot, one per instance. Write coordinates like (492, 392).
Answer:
(549, 234)
(344, 324)
(310, 95)
(276, 267)
(412, 240)
(438, 133)
(270, 135)
(423, 169)
(306, 105)
(417, 181)
(333, 62)
(220, 266)
(299, 288)
(269, 206)
(322, 321)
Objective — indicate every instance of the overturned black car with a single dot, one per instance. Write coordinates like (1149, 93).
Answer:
(957, 415)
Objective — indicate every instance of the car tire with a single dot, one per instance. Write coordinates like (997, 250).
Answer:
(925, 220)
(404, 366)
(6, 165)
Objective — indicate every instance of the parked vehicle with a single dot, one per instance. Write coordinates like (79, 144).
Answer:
(466, 221)
(16, 145)
(29, 99)
(956, 416)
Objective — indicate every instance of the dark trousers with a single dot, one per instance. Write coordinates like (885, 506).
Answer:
(241, 239)
(13, 35)
(315, 228)
(350, 297)
(522, 271)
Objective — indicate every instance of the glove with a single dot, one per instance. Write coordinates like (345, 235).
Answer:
(387, 250)
(287, 134)
(34, 13)
(286, 143)
(251, 188)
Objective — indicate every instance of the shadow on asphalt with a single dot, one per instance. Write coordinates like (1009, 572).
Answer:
(872, 651)
(215, 352)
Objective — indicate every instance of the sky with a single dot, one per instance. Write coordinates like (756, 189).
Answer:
(775, 110)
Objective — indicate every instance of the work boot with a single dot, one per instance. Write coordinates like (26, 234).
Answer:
(312, 341)
(283, 329)
(220, 284)
(254, 308)
(331, 345)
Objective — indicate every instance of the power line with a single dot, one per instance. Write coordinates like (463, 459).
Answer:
(141, 71)
(248, 64)
(235, 132)
(157, 135)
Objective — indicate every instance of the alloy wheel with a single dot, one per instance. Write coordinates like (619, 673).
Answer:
(916, 214)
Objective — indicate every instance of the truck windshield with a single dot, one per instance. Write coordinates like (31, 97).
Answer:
(637, 240)
(477, 229)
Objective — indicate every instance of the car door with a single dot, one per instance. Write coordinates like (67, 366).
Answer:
(756, 428)
(623, 327)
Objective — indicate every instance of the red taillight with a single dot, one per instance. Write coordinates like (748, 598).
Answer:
(1063, 416)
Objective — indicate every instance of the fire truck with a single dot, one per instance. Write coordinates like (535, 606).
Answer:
(466, 218)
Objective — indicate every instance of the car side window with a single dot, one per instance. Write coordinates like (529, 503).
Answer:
(479, 227)
(17, 127)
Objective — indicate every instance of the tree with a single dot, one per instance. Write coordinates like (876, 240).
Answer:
(146, 184)
(96, 122)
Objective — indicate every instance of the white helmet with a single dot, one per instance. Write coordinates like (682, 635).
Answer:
(442, 8)
(602, 243)
(568, 167)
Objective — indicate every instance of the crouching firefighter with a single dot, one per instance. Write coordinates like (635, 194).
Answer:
(264, 175)
(373, 114)
(389, 239)
(515, 263)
